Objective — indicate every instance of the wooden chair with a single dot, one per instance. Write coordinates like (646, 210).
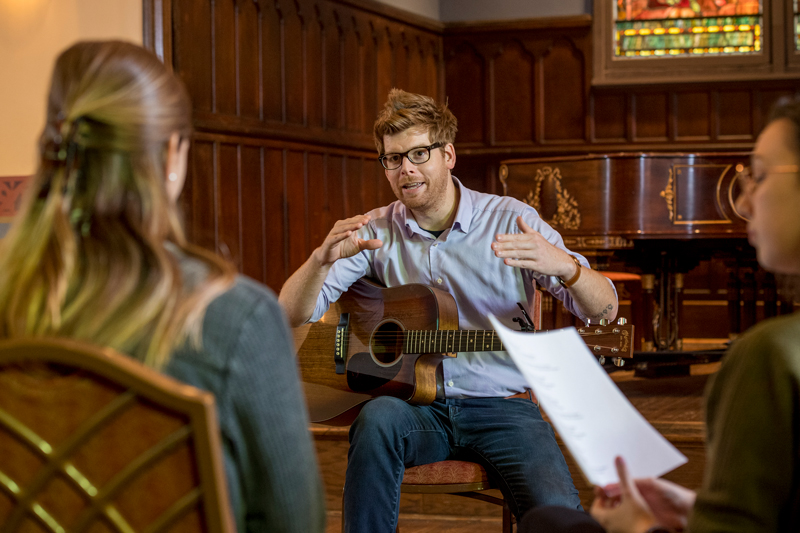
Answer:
(460, 478)
(463, 478)
(91, 440)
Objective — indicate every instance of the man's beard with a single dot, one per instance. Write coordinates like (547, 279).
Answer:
(435, 193)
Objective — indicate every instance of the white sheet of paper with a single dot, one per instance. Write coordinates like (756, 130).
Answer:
(592, 416)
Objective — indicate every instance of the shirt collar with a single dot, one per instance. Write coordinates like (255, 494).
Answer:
(463, 214)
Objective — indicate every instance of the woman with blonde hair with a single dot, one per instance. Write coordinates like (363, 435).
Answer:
(97, 253)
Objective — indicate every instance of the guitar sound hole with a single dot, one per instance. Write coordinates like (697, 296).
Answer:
(386, 344)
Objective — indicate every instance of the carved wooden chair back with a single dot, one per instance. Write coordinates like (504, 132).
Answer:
(92, 440)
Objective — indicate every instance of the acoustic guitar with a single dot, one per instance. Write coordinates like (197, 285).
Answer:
(377, 341)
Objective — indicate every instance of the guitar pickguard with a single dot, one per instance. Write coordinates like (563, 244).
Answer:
(363, 375)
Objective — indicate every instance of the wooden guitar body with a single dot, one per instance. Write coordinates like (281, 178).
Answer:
(372, 363)
(376, 341)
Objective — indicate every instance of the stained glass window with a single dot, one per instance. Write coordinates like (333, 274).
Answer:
(796, 11)
(681, 28)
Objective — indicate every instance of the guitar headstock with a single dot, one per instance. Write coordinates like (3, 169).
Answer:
(609, 340)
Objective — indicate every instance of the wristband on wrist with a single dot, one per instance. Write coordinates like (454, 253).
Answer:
(571, 281)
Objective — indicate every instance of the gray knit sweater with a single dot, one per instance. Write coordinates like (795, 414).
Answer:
(247, 361)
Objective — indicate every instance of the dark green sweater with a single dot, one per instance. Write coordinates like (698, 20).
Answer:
(752, 477)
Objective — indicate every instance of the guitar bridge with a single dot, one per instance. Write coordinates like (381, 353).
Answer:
(340, 350)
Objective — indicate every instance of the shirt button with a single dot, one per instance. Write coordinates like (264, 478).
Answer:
(439, 281)
(450, 383)
(435, 244)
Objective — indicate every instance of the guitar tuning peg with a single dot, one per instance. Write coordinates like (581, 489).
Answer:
(618, 361)
(588, 322)
(622, 321)
(603, 321)
(601, 360)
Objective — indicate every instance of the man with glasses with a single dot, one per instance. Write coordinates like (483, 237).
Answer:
(486, 251)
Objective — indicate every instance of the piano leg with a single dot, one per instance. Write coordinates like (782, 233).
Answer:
(663, 295)
(767, 283)
(734, 299)
(743, 285)
(786, 302)
(676, 310)
(650, 313)
(749, 297)
(666, 321)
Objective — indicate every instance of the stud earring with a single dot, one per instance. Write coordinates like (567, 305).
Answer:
(173, 176)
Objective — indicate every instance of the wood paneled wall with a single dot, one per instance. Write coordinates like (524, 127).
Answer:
(286, 91)
(522, 89)
(285, 94)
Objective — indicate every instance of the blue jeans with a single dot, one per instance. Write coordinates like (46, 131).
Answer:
(507, 436)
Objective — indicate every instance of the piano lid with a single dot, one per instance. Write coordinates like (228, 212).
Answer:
(610, 200)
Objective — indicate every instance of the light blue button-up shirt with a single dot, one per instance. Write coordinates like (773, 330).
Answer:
(461, 262)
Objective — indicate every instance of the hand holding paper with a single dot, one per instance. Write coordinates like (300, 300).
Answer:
(638, 500)
(592, 416)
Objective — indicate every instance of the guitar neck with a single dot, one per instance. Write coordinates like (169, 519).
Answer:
(614, 340)
(449, 341)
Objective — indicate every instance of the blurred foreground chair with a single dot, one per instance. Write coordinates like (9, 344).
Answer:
(92, 440)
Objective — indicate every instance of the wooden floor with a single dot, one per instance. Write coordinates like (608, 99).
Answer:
(672, 405)
(410, 523)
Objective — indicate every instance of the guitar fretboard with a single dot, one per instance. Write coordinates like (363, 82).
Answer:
(604, 340)
(443, 341)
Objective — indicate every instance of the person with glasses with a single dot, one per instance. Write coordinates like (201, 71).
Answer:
(752, 475)
(486, 251)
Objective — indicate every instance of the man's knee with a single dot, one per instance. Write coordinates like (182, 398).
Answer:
(378, 419)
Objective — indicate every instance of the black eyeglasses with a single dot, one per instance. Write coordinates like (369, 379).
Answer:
(418, 155)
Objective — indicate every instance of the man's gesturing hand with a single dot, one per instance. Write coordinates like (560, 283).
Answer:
(532, 251)
(343, 241)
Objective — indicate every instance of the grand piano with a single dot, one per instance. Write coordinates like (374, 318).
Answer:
(657, 215)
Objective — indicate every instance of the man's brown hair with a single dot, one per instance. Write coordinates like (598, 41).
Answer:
(408, 110)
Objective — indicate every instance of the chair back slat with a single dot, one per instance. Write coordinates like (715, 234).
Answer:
(56, 460)
(90, 438)
(105, 498)
(177, 511)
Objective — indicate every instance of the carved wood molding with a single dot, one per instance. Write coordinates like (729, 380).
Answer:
(597, 242)
(567, 215)
(11, 189)
(668, 194)
(577, 22)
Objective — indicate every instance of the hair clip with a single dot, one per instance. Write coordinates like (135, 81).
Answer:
(60, 149)
(66, 152)
(80, 220)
